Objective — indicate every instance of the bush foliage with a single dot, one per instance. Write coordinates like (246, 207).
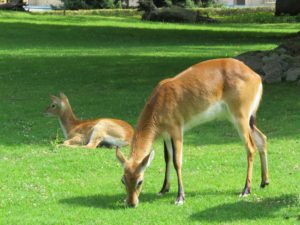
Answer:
(222, 15)
(91, 4)
(291, 7)
(112, 4)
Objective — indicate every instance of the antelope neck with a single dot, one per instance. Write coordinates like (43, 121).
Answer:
(141, 146)
(67, 121)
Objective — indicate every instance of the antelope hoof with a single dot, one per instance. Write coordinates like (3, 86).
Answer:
(163, 192)
(245, 192)
(264, 184)
(179, 200)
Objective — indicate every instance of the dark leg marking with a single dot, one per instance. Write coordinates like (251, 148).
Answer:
(252, 122)
(246, 191)
(174, 155)
(166, 186)
(264, 184)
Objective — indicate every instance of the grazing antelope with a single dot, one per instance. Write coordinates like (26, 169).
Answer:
(205, 91)
(90, 133)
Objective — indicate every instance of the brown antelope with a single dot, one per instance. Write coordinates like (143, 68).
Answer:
(205, 91)
(90, 133)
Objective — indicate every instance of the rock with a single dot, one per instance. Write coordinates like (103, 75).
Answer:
(287, 58)
(286, 61)
(251, 53)
(254, 63)
(172, 14)
(271, 57)
(280, 50)
(273, 71)
(293, 74)
(285, 66)
(296, 61)
(253, 60)
(279, 64)
(293, 47)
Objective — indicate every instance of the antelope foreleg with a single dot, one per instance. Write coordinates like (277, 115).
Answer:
(177, 143)
(168, 160)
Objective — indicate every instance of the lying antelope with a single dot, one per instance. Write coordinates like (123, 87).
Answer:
(206, 91)
(90, 133)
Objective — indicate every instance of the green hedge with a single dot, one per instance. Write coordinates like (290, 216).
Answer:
(228, 15)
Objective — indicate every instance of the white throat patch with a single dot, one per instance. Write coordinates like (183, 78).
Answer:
(63, 128)
(217, 110)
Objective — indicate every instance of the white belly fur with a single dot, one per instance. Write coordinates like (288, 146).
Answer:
(218, 110)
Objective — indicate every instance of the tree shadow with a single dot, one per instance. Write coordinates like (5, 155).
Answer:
(105, 201)
(246, 210)
(117, 36)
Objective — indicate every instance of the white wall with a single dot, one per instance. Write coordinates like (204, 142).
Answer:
(254, 2)
(226, 2)
(247, 2)
(45, 2)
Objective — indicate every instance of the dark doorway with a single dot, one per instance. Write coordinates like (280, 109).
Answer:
(240, 2)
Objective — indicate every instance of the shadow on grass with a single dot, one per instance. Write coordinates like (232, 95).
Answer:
(105, 201)
(243, 210)
(116, 201)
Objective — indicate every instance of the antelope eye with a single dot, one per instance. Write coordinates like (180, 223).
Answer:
(123, 180)
(53, 105)
(139, 183)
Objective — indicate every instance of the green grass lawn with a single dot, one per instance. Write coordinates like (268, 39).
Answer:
(107, 66)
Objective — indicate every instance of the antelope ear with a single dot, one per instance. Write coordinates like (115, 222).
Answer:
(54, 98)
(120, 157)
(146, 161)
(63, 96)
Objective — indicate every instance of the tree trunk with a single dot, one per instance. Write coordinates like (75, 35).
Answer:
(291, 7)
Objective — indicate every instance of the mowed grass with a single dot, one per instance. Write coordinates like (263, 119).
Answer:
(107, 66)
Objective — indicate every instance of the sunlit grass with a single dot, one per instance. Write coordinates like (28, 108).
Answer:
(108, 66)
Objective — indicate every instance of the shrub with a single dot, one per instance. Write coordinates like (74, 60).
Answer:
(210, 3)
(291, 7)
(147, 6)
(168, 3)
(118, 4)
(108, 4)
(74, 4)
(189, 4)
(91, 4)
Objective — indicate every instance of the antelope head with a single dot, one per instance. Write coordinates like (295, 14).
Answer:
(57, 106)
(133, 176)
